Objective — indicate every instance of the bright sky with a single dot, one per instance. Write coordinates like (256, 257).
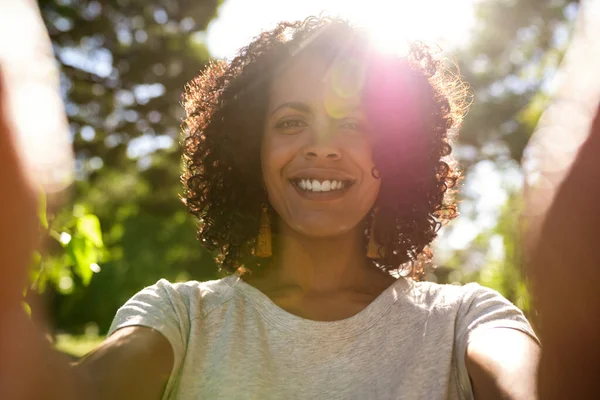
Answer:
(392, 22)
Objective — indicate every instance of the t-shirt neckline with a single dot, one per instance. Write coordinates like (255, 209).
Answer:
(333, 330)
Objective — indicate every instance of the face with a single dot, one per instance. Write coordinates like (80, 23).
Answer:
(317, 152)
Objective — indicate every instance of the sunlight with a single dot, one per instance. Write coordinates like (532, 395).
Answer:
(394, 25)
(391, 24)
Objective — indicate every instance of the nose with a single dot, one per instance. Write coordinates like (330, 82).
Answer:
(324, 145)
(322, 150)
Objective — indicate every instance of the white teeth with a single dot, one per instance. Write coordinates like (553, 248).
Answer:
(314, 185)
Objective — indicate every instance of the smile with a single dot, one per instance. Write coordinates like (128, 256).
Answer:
(316, 185)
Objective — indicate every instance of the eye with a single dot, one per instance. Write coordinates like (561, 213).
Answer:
(352, 125)
(290, 126)
(293, 123)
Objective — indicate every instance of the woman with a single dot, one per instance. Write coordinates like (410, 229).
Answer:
(316, 167)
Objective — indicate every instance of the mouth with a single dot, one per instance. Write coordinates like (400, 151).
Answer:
(313, 185)
(320, 184)
(321, 190)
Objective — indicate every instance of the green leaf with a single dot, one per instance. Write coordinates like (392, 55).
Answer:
(36, 272)
(89, 227)
(42, 209)
(36, 259)
(27, 308)
(83, 255)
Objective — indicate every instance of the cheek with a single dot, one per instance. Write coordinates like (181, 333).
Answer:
(274, 158)
(363, 156)
(371, 190)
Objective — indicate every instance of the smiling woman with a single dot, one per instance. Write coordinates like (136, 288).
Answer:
(328, 115)
(318, 167)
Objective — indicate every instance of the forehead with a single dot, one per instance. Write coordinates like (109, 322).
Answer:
(303, 78)
(315, 79)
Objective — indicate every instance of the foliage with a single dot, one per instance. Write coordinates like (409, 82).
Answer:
(123, 67)
(497, 256)
(510, 63)
(516, 48)
(77, 346)
(81, 249)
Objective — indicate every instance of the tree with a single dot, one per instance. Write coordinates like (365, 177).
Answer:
(514, 54)
(516, 49)
(123, 66)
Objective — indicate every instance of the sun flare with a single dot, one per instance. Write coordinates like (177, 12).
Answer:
(392, 25)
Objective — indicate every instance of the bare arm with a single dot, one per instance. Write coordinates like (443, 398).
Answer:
(502, 364)
(565, 277)
(133, 363)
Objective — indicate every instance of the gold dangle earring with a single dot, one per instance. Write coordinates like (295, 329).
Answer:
(373, 247)
(263, 242)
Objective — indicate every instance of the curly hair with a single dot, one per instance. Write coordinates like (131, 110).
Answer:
(413, 120)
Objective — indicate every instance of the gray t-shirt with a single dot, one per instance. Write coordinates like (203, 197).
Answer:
(232, 342)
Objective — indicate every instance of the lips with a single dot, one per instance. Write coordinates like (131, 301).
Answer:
(321, 175)
(315, 185)
(322, 184)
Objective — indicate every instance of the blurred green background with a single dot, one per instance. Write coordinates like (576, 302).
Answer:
(123, 66)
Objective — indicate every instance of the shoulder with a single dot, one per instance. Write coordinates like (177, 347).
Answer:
(450, 295)
(205, 295)
(193, 286)
(170, 307)
(473, 306)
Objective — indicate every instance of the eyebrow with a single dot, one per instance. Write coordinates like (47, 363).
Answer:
(296, 105)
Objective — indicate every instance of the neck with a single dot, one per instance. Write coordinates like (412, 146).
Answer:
(320, 264)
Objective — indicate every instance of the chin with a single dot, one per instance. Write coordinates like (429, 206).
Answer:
(321, 229)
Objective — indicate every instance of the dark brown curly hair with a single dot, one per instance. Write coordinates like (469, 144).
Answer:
(414, 105)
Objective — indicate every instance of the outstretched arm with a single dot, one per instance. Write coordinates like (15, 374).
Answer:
(502, 364)
(565, 277)
(134, 363)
